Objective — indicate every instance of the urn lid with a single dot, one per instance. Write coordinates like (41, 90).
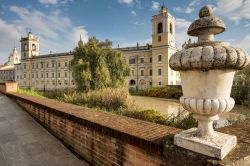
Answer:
(208, 54)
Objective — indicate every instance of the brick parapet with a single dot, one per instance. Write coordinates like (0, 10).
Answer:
(103, 138)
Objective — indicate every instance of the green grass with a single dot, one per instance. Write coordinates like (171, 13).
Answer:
(30, 92)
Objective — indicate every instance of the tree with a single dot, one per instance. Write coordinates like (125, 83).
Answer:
(242, 77)
(96, 65)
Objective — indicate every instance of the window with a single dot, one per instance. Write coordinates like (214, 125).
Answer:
(24, 66)
(36, 75)
(33, 66)
(159, 27)
(25, 47)
(47, 75)
(41, 75)
(159, 72)
(132, 61)
(59, 75)
(132, 72)
(53, 64)
(41, 65)
(132, 82)
(37, 65)
(65, 74)
(150, 83)
(33, 47)
(32, 75)
(159, 58)
(24, 75)
(59, 64)
(159, 83)
(53, 75)
(142, 72)
(150, 59)
(47, 65)
(159, 38)
(66, 64)
(142, 60)
(171, 28)
(150, 72)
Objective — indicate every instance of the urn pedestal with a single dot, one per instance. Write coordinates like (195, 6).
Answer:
(207, 70)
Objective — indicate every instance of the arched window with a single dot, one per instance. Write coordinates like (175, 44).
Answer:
(33, 47)
(171, 28)
(159, 27)
(132, 82)
(25, 47)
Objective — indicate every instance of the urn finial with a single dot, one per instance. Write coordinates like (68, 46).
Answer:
(206, 26)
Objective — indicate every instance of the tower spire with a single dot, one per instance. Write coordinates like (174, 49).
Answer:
(80, 43)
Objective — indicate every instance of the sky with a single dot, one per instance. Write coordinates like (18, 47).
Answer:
(59, 23)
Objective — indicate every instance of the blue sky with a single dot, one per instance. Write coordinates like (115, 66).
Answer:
(58, 23)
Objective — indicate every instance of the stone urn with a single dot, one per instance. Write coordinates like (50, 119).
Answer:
(207, 69)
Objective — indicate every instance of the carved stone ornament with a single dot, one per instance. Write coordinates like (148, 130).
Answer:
(207, 70)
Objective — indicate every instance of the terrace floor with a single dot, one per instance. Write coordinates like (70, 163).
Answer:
(24, 142)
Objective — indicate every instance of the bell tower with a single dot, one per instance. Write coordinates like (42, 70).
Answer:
(163, 28)
(29, 46)
(163, 46)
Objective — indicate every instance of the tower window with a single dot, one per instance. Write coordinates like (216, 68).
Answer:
(159, 72)
(150, 59)
(159, 27)
(171, 28)
(25, 47)
(159, 38)
(33, 47)
(159, 58)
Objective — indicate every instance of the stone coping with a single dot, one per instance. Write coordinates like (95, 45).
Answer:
(137, 132)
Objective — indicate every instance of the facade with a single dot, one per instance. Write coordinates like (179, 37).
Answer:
(7, 72)
(149, 64)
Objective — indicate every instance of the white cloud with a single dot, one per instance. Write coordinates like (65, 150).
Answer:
(128, 2)
(48, 2)
(54, 2)
(194, 2)
(139, 23)
(133, 13)
(181, 27)
(56, 32)
(244, 43)
(234, 10)
(187, 10)
(155, 5)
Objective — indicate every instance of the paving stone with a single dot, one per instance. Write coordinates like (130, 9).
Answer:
(24, 142)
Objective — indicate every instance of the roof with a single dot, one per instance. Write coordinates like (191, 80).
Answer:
(136, 48)
(52, 55)
(7, 68)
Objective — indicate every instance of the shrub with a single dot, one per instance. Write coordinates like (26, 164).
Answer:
(163, 92)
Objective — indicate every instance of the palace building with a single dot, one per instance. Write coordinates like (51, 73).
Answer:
(149, 64)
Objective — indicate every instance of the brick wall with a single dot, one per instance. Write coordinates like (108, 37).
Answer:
(8, 87)
(102, 138)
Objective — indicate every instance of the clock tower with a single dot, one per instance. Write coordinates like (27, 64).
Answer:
(163, 46)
